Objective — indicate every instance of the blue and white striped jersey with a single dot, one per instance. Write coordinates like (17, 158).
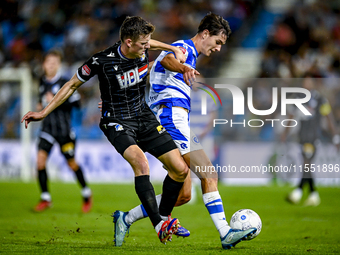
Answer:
(168, 88)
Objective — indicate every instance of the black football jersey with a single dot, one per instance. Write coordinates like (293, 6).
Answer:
(122, 81)
(58, 122)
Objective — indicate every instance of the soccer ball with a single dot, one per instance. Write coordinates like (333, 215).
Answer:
(244, 219)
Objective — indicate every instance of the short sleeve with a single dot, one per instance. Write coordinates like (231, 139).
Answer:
(89, 69)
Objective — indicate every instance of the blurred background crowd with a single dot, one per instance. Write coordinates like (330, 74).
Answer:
(302, 38)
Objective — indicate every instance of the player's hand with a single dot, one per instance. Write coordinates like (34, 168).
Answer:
(189, 76)
(100, 105)
(179, 55)
(32, 116)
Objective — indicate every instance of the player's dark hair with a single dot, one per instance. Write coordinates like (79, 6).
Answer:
(54, 52)
(215, 24)
(133, 27)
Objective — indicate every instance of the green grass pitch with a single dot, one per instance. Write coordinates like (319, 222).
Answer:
(63, 229)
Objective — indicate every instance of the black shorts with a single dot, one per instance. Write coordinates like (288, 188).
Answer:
(67, 143)
(143, 130)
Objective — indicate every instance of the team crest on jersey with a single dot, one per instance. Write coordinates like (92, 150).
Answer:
(195, 139)
(160, 129)
(85, 70)
(143, 57)
(119, 127)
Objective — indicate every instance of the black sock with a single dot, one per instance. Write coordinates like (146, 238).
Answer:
(311, 184)
(42, 178)
(146, 194)
(80, 177)
(302, 182)
(170, 194)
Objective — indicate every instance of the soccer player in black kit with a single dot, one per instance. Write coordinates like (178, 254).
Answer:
(309, 133)
(127, 121)
(56, 128)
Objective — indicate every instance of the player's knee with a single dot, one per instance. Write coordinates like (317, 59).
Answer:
(73, 165)
(41, 164)
(141, 167)
(182, 170)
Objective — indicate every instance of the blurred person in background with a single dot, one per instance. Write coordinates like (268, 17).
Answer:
(309, 133)
(56, 128)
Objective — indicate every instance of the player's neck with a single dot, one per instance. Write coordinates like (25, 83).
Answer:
(51, 77)
(197, 40)
(124, 49)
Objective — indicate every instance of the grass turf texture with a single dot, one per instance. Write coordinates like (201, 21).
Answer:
(63, 229)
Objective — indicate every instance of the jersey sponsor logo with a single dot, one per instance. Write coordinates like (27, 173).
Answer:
(160, 129)
(94, 61)
(111, 54)
(85, 70)
(132, 77)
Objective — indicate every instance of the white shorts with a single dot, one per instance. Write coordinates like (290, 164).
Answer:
(176, 121)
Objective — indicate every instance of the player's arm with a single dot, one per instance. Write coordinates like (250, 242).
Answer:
(157, 45)
(170, 63)
(63, 94)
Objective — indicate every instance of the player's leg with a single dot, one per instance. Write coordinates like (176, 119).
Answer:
(138, 212)
(313, 198)
(123, 138)
(44, 148)
(145, 191)
(203, 168)
(185, 193)
(67, 148)
(175, 120)
(308, 152)
(173, 183)
(157, 141)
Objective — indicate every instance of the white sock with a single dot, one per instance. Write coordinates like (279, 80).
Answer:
(159, 226)
(139, 212)
(45, 196)
(213, 202)
(86, 192)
